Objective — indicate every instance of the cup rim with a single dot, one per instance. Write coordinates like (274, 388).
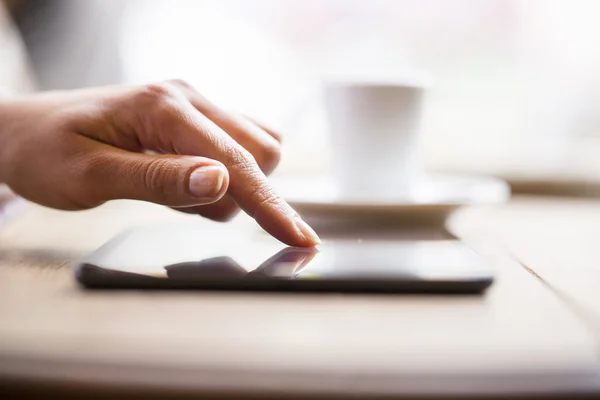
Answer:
(377, 82)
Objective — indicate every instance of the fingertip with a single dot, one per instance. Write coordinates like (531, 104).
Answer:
(285, 225)
(310, 237)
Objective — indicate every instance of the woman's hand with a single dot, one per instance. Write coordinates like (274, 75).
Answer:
(163, 143)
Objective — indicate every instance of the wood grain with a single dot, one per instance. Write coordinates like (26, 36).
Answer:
(520, 336)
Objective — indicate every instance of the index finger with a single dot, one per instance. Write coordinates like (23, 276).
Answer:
(248, 185)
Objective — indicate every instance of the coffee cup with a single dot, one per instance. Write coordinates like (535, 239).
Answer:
(374, 128)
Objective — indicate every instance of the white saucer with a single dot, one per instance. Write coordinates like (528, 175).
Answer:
(319, 203)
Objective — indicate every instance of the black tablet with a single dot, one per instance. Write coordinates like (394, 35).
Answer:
(193, 259)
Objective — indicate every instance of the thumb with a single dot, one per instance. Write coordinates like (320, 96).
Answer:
(170, 180)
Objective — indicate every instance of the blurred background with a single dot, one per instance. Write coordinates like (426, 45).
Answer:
(515, 85)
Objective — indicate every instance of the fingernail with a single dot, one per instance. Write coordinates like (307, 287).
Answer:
(306, 231)
(207, 182)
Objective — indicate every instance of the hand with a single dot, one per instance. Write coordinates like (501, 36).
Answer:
(163, 143)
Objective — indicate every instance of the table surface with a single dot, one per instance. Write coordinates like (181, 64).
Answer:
(536, 330)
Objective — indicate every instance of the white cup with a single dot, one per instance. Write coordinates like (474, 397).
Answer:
(374, 136)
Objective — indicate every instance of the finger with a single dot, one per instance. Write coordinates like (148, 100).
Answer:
(275, 134)
(196, 134)
(175, 181)
(222, 211)
(260, 143)
(252, 136)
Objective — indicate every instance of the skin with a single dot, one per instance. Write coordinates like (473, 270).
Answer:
(164, 143)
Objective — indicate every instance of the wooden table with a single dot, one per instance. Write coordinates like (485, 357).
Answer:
(537, 330)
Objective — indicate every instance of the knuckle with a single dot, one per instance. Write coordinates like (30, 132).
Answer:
(261, 195)
(239, 158)
(180, 83)
(161, 92)
(162, 99)
(266, 198)
(188, 89)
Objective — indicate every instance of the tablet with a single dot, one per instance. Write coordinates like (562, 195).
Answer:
(193, 259)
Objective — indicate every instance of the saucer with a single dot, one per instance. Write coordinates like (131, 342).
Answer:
(318, 201)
